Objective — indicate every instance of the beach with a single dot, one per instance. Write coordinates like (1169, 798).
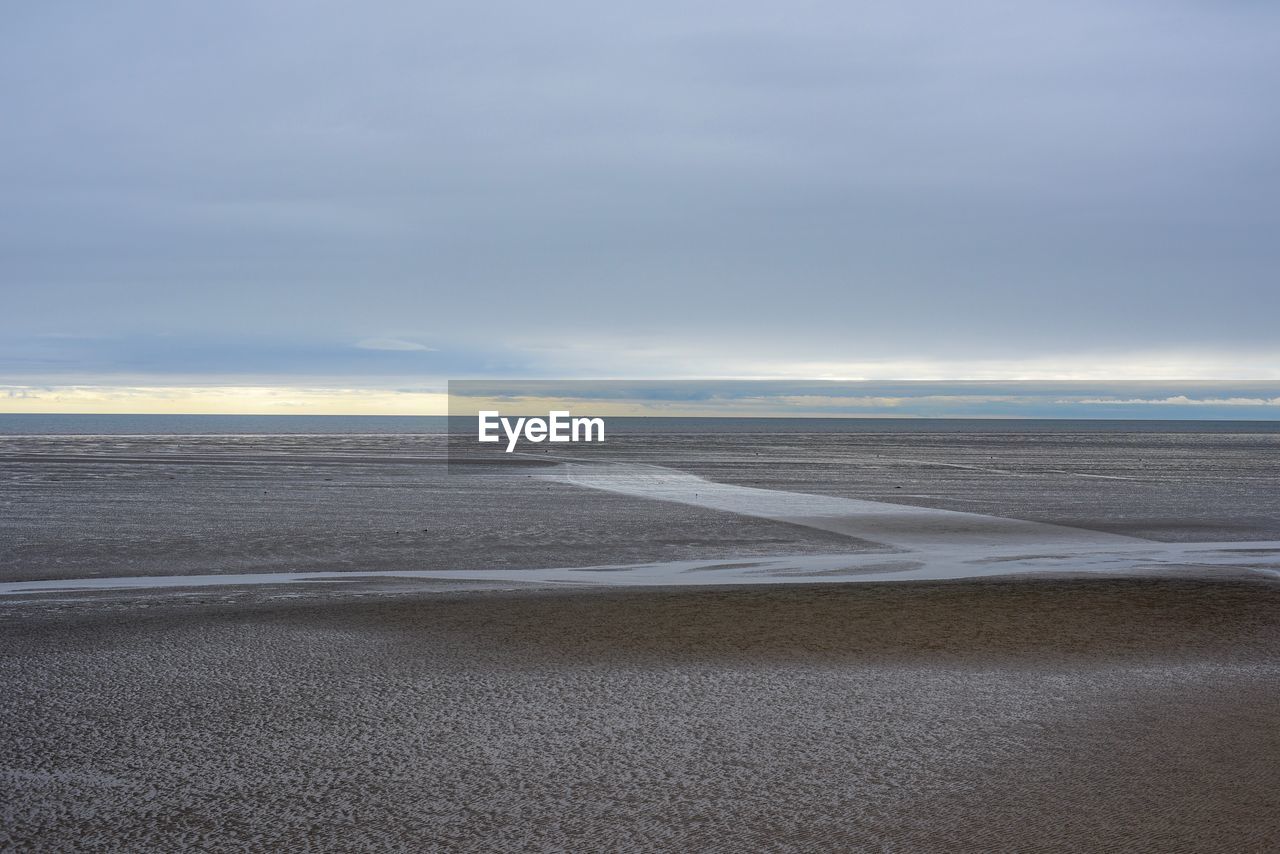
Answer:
(681, 428)
(699, 643)
(1066, 715)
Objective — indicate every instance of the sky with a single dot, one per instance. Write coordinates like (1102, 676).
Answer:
(310, 206)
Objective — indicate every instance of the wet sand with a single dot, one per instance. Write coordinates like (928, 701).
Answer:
(993, 715)
(104, 506)
(1119, 689)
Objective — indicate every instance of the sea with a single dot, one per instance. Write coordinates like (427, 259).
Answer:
(32, 424)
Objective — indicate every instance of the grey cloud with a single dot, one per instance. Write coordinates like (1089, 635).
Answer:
(823, 182)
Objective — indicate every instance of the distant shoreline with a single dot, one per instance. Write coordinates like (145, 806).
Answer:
(81, 424)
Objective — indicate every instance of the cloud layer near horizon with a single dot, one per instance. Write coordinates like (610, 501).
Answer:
(684, 398)
(298, 194)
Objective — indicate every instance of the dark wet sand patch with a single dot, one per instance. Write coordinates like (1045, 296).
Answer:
(994, 715)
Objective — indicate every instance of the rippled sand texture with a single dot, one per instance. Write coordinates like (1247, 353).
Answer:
(1087, 713)
(1084, 715)
(86, 506)
(107, 506)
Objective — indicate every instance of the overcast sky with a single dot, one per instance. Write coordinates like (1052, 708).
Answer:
(383, 195)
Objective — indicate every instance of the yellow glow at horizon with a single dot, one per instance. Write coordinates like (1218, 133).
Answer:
(218, 400)
(254, 400)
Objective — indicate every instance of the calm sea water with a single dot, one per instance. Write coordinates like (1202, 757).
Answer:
(170, 425)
